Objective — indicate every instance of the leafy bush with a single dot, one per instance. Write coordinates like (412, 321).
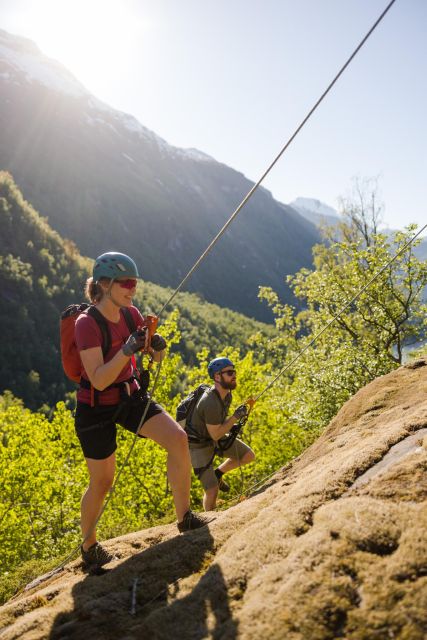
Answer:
(43, 473)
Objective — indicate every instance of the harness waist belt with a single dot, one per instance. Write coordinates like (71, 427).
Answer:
(85, 384)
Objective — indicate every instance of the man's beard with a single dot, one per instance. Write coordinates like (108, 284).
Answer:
(228, 385)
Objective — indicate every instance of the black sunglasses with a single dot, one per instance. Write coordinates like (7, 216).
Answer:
(229, 372)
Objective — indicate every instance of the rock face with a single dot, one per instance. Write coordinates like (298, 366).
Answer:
(310, 555)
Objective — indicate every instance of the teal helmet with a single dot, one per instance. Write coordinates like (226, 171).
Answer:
(218, 364)
(114, 265)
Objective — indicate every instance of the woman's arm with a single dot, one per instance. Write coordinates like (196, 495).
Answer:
(99, 373)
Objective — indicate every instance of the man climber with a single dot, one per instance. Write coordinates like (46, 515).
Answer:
(209, 424)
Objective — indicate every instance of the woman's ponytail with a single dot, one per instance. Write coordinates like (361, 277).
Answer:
(93, 290)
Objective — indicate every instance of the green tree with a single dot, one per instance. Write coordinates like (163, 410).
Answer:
(368, 337)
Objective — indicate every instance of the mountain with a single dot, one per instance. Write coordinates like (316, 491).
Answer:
(331, 546)
(315, 211)
(421, 250)
(108, 183)
(318, 213)
(41, 274)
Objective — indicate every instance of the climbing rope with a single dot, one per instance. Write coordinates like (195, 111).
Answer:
(247, 491)
(267, 171)
(196, 265)
(279, 155)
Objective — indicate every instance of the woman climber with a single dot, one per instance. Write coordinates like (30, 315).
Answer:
(111, 393)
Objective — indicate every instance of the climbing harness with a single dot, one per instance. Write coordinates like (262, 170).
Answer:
(221, 446)
(226, 442)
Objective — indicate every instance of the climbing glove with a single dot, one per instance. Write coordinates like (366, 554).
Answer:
(241, 411)
(158, 343)
(135, 342)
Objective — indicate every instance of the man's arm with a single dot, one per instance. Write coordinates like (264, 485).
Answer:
(216, 431)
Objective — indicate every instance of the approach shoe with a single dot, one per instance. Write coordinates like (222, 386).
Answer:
(96, 556)
(191, 521)
(223, 486)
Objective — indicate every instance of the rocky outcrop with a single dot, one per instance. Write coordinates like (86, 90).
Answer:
(313, 554)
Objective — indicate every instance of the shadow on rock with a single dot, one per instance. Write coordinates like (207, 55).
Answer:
(145, 596)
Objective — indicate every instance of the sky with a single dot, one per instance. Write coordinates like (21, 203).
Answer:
(234, 78)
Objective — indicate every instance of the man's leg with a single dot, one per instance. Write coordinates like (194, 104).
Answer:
(232, 463)
(202, 461)
(209, 498)
(209, 483)
(239, 454)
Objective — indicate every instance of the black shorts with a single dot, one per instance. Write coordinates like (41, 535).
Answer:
(96, 426)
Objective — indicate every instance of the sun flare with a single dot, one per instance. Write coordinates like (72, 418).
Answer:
(90, 37)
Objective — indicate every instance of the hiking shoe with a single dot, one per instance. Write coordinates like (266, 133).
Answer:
(223, 486)
(191, 521)
(96, 556)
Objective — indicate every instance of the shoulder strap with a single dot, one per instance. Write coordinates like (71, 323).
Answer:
(143, 375)
(129, 319)
(103, 325)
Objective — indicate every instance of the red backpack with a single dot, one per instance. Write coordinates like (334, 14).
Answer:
(69, 354)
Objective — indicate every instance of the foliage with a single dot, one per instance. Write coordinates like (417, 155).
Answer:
(201, 323)
(41, 274)
(367, 337)
(44, 476)
(42, 469)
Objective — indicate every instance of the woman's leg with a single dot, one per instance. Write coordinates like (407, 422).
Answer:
(239, 454)
(168, 434)
(101, 476)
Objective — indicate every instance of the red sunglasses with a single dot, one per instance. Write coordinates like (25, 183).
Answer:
(129, 283)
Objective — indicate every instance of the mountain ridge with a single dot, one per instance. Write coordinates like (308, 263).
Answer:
(320, 214)
(89, 167)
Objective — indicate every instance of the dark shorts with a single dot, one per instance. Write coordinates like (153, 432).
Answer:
(96, 426)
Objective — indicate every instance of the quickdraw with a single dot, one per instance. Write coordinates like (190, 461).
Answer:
(151, 324)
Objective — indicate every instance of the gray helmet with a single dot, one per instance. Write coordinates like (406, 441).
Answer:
(114, 265)
(217, 364)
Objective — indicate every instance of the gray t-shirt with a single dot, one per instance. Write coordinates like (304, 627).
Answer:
(210, 409)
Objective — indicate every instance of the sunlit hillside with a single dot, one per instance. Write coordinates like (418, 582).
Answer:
(41, 274)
